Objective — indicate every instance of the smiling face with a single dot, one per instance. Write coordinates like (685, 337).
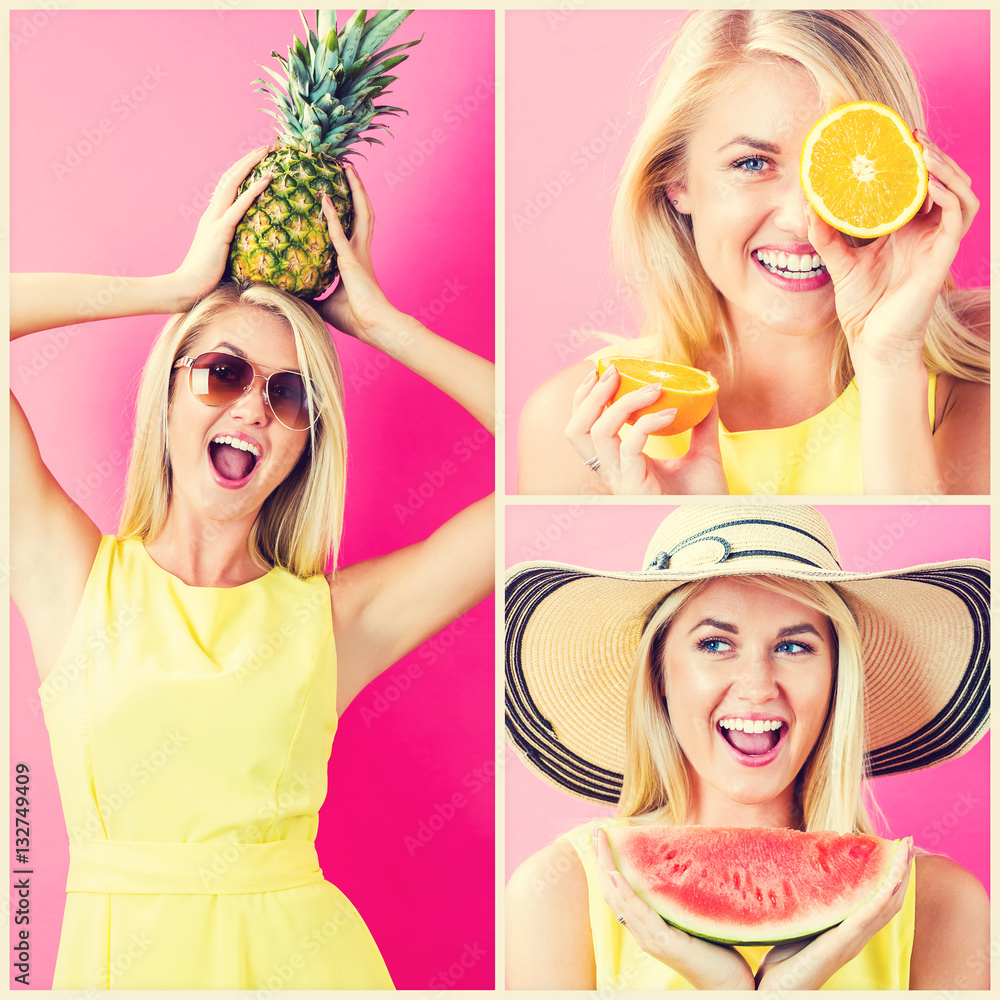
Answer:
(748, 676)
(741, 189)
(226, 460)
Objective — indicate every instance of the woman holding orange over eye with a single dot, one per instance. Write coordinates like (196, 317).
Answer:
(842, 369)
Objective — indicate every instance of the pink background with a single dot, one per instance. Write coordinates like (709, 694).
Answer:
(171, 114)
(595, 69)
(945, 809)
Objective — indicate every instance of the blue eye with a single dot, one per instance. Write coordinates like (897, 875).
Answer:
(794, 648)
(714, 645)
(751, 164)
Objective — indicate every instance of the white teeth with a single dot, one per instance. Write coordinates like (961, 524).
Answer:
(751, 725)
(237, 443)
(792, 266)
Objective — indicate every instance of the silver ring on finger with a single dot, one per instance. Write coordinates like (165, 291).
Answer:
(593, 463)
(621, 919)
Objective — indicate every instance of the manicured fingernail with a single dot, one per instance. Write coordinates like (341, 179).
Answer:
(613, 877)
(894, 891)
(932, 180)
(667, 415)
(932, 154)
(650, 390)
(608, 373)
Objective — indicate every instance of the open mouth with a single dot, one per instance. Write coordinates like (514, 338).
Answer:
(795, 267)
(233, 460)
(754, 739)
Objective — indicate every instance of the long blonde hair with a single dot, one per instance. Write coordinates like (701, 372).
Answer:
(299, 525)
(831, 791)
(851, 57)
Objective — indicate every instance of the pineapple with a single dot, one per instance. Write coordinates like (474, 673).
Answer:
(325, 102)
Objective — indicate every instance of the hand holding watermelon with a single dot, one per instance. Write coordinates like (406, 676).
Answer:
(807, 965)
(705, 965)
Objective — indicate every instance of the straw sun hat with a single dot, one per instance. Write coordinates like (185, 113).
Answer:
(572, 634)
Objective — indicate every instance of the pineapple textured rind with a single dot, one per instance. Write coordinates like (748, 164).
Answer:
(324, 103)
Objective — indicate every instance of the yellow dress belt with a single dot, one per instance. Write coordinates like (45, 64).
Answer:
(123, 866)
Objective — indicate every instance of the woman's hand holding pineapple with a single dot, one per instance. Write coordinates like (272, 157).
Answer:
(205, 264)
(357, 306)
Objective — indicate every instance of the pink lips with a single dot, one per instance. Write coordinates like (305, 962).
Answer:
(760, 759)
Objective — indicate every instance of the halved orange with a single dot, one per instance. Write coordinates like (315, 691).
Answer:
(862, 170)
(691, 390)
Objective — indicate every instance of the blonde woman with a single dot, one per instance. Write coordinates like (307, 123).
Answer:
(842, 369)
(209, 625)
(742, 615)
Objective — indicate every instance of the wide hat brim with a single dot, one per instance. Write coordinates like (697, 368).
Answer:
(572, 634)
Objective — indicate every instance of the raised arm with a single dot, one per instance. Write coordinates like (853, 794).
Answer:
(53, 542)
(44, 301)
(385, 607)
(359, 308)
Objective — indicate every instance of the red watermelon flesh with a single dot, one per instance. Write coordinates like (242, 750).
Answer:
(750, 885)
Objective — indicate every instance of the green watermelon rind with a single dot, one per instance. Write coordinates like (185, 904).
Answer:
(798, 933)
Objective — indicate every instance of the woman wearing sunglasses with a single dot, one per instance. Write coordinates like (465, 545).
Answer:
(207, 629)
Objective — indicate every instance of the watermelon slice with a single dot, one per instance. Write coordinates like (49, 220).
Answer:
(750, 885)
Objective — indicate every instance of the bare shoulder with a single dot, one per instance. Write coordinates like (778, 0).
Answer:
(951, 934)
(548, 938)
(962, 434)
(547, 462)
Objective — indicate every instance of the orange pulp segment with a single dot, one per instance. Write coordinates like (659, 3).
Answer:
(862, 170)
(691, 390)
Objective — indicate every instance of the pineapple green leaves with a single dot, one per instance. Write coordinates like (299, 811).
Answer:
(326, 97)
(324, 101)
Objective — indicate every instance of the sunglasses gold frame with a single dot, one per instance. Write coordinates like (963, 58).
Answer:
(307, 383)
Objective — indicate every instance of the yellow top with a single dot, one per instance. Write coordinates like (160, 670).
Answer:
(883, 964)
(822, 454)
(191, 729)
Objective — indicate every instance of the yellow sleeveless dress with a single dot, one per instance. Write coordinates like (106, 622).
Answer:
(883, 964)
(190, 729)
(822, 454)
